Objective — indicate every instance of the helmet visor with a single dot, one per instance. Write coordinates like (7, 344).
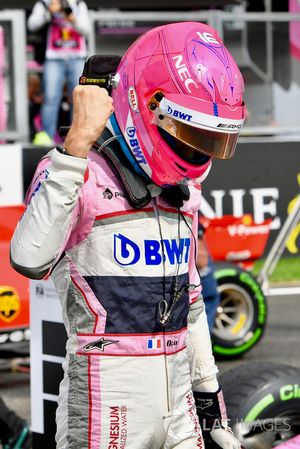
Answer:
(217, 144)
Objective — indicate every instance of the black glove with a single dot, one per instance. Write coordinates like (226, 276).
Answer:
(212, 416)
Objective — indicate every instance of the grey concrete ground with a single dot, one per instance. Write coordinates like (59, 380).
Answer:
(281, 343)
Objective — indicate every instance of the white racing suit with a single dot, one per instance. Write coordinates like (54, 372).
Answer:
(127, 379)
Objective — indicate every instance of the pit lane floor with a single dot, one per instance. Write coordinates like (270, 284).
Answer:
(281, 344)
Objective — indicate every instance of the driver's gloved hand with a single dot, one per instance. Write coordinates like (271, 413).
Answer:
(221, 438)
(212, 416)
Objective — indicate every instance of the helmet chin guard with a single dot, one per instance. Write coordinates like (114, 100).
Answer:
(179, 101)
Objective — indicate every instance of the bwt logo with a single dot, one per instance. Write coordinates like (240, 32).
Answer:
(130, 130)
(134, 145)
(178, 114)
(127, 252)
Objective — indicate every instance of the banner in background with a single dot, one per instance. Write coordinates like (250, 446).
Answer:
(3, 112)
(14, 291)
(47, 349)
(11, 175)
(262, 179)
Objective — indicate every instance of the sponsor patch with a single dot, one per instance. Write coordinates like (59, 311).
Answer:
(43, 175)
(134, 145)
(228, 126)
(202, 404)
(151, 252)
(107, 194)
(184, 74)
(154, 343)
(118, 427)
(10, 304)
(179, 114)
(132, 98)
(99, 345)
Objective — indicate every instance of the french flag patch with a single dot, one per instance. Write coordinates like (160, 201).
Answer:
(154, 343)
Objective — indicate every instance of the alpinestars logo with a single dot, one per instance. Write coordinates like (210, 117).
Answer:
(202, 404)
(99, 344)
(107, 194)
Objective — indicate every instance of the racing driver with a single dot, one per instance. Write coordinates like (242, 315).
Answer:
(112, 216)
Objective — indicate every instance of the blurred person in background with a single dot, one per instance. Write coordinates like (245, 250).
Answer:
(35, 99)
(68, 24)
(14, 431)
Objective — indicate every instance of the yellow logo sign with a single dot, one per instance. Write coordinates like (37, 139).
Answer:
(291, 243)
(10, 304)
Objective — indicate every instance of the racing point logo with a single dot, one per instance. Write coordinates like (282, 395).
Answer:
(107, 194)
(10, 304)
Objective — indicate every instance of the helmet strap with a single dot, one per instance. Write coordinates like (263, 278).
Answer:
(134, 184)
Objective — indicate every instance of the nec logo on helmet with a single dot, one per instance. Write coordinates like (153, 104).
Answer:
(181, 67)
(184, 73)
(127, 252)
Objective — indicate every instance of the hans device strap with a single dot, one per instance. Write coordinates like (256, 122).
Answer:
(135, 185)
(137, 188)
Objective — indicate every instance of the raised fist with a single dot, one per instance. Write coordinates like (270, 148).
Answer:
(92, 107)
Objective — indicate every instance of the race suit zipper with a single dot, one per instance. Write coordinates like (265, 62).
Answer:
(164, 286)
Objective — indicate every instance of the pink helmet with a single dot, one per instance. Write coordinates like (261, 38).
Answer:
(179, 101)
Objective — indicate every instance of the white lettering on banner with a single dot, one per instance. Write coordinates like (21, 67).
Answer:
(237, 201)
(208, 38)
(243, 230)
(262, 208)
(206, 209)
(44, 307)
(184, 73)
(218, 195)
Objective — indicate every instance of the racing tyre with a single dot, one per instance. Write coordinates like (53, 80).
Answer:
(263, 404)
(241, 315)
